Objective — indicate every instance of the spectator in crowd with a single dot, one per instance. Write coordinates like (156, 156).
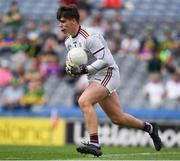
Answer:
(167, 45)
(10, 98)
(97, 22)
(154, 91)
(20, 44)
(87, 5)
(130, 45)
(173, 87)
(169, 65)
(19, 48)
(146, 53)
(176, 52)
(148, 45)
(34, 47)
(5, 73)
(9, 40)
(2, 41)
(155, 64)
(18, 73)
(54, 69)
(34, 96)
(84, 17)
(46, 32)
(51, 45)
(117, 23)
(13, 18)
(31, 26)
(32, 71)
(114, 4)
(49, 66)
(113, 44)
(167, 41)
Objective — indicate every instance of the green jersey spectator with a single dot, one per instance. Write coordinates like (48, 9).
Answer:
(13, 17)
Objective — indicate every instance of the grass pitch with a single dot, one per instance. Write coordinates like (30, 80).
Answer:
(68, 152)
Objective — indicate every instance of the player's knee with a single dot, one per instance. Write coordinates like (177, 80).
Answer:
(83, 102)
(84, 105)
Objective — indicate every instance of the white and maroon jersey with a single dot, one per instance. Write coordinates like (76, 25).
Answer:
(99, 55)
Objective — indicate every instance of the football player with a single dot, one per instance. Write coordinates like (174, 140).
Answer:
(104, 79)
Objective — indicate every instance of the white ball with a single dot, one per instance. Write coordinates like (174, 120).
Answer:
(77, 56)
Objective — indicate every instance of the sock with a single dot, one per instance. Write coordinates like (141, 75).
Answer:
(94, 139)
(148, 127)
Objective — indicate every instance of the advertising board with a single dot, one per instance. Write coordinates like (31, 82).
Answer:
(32, 131)
(114, 135)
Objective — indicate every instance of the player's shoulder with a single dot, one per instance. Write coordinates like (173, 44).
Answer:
(88, 31)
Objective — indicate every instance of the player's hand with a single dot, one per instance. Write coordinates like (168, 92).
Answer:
(69, 67)
(75, 70)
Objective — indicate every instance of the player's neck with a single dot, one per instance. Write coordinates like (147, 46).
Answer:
(76, 31)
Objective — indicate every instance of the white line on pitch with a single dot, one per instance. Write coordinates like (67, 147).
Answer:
(135, 154)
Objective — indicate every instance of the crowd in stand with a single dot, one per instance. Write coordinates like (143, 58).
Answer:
(31, 52)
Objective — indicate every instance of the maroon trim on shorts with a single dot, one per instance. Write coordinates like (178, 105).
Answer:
(107, 77)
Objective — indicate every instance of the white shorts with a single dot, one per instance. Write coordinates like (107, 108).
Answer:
(110, 79)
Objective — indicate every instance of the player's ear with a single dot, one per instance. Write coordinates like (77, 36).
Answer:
(74, 21)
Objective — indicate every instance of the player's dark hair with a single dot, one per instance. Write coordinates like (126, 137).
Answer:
(68, 12)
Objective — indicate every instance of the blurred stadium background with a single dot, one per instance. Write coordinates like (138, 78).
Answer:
(38, 101)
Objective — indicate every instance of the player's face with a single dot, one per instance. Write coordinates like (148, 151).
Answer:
(66, 25)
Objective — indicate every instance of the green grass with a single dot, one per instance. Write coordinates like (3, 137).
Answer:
(68, 152)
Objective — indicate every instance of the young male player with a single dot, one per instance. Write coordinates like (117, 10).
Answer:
(104, 79)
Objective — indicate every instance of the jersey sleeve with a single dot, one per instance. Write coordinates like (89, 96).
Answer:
(97, 48)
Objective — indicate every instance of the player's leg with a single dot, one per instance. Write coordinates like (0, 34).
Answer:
(93, 94)
(111, 105)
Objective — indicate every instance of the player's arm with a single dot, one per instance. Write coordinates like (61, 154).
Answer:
(97, 48)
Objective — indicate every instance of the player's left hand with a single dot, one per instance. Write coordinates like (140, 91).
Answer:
(75, 70)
